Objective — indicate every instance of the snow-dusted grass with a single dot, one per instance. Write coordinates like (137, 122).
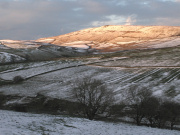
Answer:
(7, 58)
(168, 43)
(16, 123)
(57, 78)
(22, 66)
(60, 82)
(34, 69)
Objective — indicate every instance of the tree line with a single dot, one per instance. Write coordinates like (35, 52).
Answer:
(96, 100)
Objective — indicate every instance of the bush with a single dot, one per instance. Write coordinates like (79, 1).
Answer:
(18, 79)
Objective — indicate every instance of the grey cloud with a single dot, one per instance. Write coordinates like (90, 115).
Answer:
(33, 19)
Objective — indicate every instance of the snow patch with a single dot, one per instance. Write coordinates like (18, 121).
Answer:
(48, 40)
(164, 44)
(130, 42)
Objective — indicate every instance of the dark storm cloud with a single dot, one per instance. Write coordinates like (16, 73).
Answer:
(32, 19)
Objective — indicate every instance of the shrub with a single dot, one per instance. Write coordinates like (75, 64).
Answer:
(18, 79)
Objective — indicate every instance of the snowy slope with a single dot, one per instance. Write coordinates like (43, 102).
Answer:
(7, 57)
(56, 79)
(12, 51)
(15, 123)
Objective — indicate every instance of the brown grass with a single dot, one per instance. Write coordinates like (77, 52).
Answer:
(114, 34)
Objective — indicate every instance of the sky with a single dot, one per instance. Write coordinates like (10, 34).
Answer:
(33, 19)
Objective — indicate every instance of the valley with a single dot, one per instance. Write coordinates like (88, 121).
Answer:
(48, 69)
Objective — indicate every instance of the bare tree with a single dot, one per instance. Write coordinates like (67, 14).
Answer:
(150, 110)
(168, 113)
(137, 97)
(93, 96)
(173, 111)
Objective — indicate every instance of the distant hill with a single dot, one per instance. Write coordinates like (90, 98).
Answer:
(13, 51)
(113, 38)
(88, 41)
